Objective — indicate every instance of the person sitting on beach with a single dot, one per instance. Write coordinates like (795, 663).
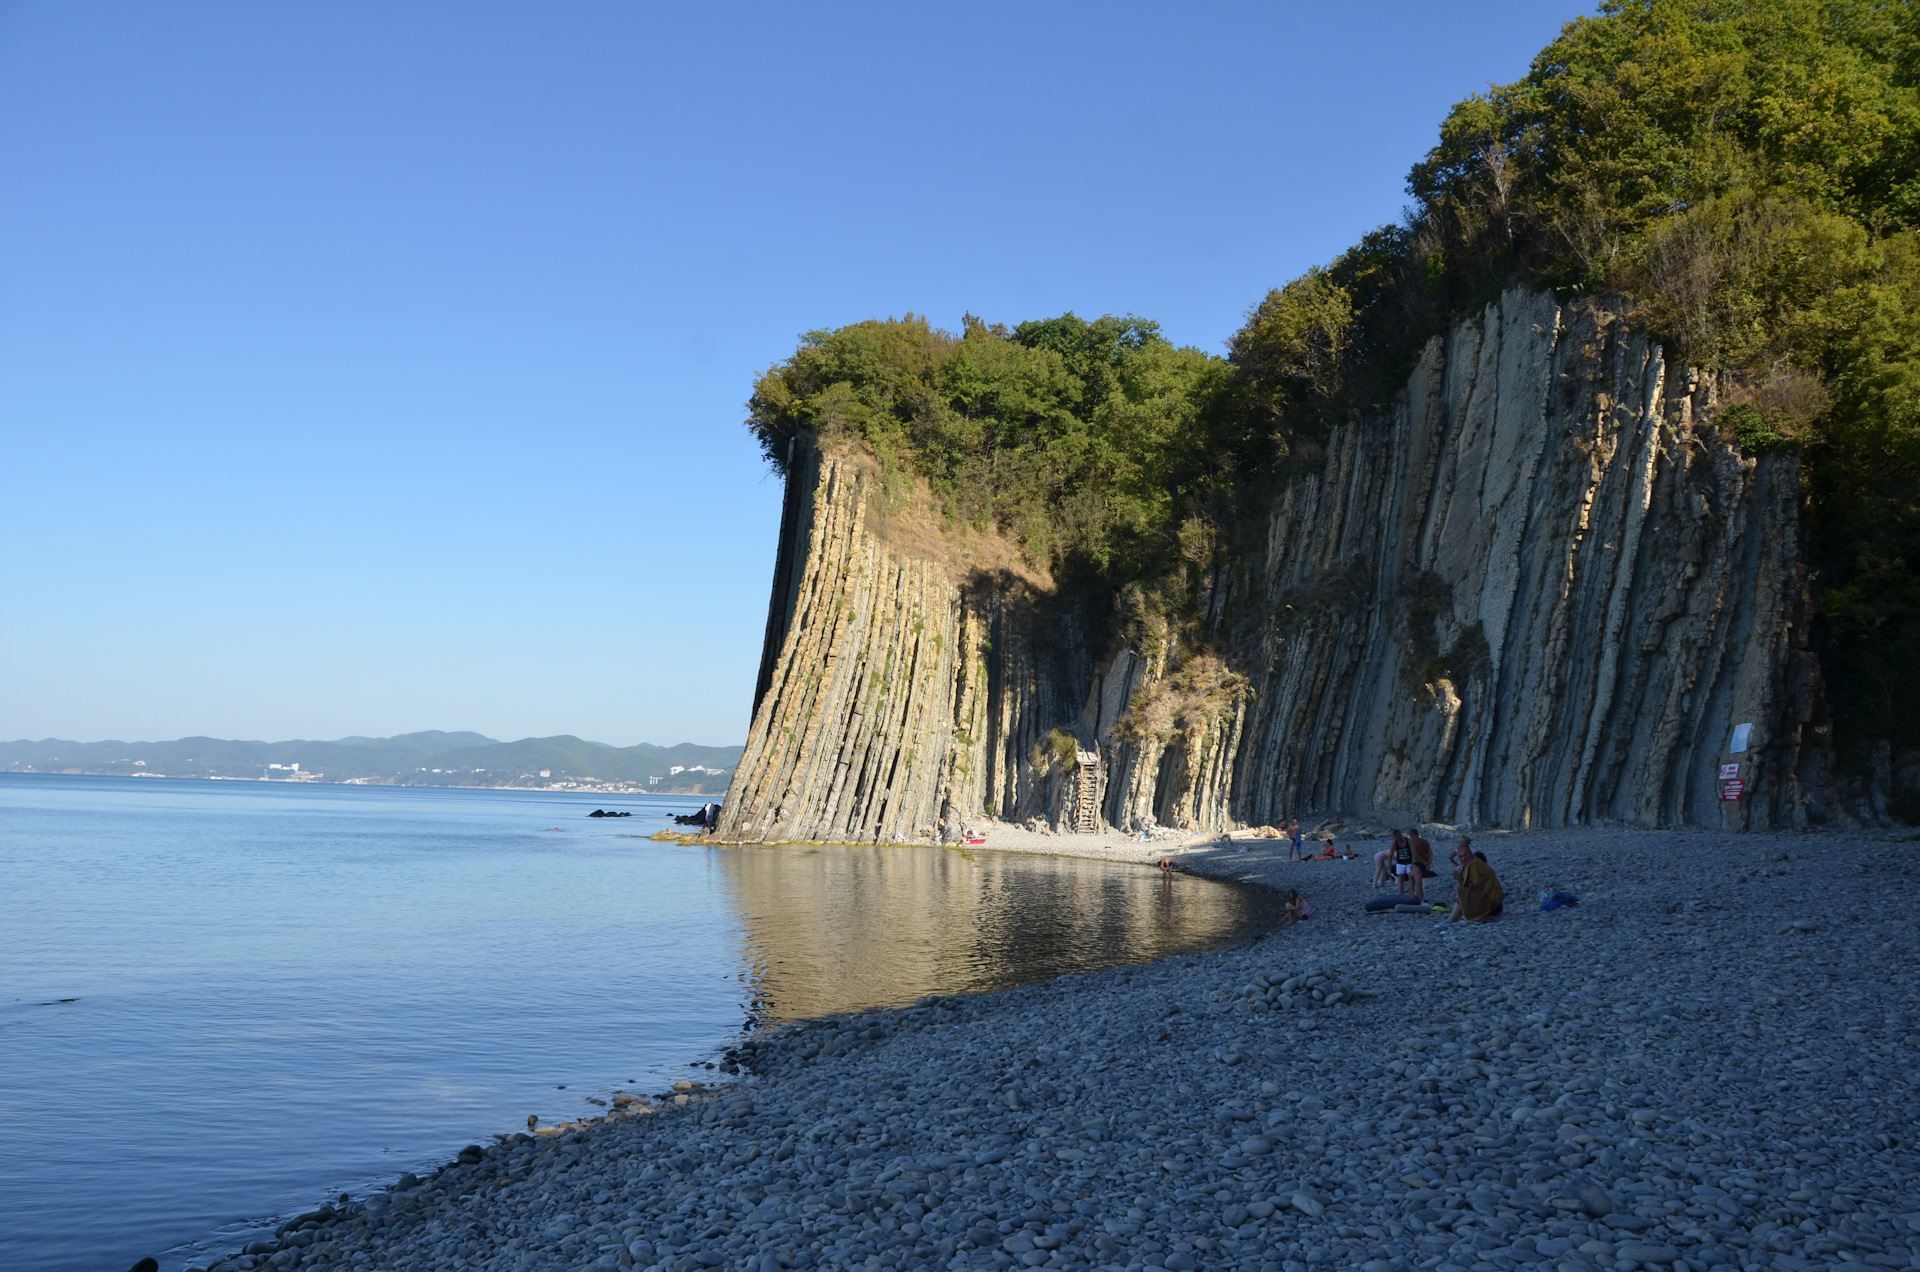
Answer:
(1422, 864)
(1325, 854)
(1297, 908)
(1477, 896)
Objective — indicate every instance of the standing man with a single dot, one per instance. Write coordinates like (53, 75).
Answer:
(1293, 829)
(1422, 863)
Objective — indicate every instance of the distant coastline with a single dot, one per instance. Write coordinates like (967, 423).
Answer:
(321, 779)
(432, 758)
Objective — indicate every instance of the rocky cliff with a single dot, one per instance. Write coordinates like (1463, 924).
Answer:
(1541, 590)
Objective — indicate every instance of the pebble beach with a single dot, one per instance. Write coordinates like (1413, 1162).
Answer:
(1707, 1063)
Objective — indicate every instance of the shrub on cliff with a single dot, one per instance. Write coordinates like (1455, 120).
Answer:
(1085, 441)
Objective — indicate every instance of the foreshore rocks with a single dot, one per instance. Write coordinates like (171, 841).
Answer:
(1661, 1078)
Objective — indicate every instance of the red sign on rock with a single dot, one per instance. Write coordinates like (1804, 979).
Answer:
(1732, 789)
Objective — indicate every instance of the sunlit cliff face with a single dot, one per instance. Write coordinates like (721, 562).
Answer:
(1536, 589)
(840, 927)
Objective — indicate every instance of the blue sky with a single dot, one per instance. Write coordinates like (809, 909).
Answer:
(367, 367)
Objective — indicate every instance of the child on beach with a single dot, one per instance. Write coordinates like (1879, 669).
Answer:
(1297, 908)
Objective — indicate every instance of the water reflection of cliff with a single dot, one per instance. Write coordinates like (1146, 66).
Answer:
(835, 928)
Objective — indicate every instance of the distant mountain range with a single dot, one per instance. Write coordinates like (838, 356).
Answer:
(432, 758)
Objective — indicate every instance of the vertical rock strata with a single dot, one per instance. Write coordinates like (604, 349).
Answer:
(1539, 591)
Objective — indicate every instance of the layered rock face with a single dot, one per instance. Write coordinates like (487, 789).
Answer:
(1539, 592)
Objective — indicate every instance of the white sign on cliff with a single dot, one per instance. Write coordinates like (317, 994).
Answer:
(1741, 732)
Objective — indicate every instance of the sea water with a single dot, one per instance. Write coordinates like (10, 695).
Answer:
(222, 1002)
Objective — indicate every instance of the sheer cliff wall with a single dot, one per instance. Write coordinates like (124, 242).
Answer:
(1539, 591)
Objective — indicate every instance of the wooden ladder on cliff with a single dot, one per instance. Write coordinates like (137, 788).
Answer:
(1086, 795)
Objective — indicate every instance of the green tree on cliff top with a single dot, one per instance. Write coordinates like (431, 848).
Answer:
(1077, 438)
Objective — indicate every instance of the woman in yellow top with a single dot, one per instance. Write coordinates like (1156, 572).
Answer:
(1477, 895)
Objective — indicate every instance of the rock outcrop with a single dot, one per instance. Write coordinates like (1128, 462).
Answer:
(1540, 591)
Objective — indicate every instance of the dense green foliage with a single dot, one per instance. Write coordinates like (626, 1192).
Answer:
(1746, 172)
(1087, 441)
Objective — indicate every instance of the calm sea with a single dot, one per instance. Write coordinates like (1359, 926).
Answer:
(225, 1001)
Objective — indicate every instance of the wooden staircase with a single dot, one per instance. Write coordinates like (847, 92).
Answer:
(1086, 795)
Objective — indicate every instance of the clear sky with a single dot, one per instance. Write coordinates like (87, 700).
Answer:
(371, 367)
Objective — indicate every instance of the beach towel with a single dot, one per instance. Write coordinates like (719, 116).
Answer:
(1479, 894)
